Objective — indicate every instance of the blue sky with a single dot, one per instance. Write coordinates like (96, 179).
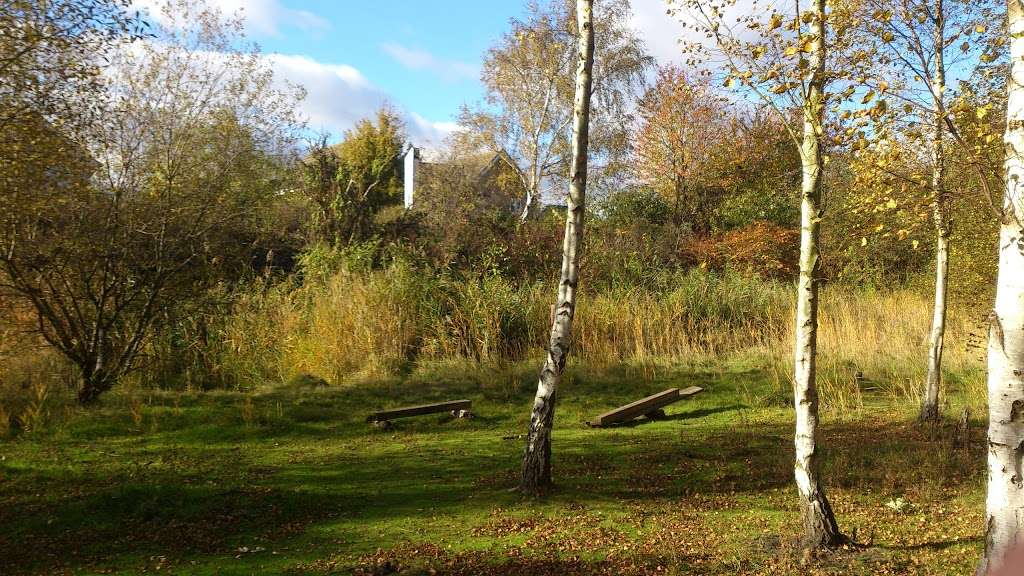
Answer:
(425, 54)
(421, 56)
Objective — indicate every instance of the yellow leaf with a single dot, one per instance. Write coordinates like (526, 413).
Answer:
(891, 204)
(863, 241)
(729, 82)
(775, 22)
(790, 51)
(883, 86)
(868, 97)
(915, 243)
(980, 28)
(888, 36)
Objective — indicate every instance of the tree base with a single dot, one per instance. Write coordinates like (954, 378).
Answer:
(536, 478)
(821, 531)
(930, 414)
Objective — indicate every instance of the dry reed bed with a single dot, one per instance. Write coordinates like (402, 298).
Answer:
(372, 324)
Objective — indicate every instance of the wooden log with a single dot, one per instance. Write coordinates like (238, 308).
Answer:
(648, 405)
(454, 405)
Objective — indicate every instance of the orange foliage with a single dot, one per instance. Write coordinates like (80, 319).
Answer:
(760, 248)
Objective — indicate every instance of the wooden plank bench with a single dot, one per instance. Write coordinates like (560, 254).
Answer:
(458, 408)
(650, 406)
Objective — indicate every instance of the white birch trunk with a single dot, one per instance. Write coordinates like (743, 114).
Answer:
(1004, 507)
(536, 473)
(933, 381)
(532, 198)
(820, 528)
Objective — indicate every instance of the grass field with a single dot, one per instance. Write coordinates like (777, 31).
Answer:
(292, 480)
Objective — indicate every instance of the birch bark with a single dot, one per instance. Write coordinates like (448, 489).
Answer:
(933, 381)
(820, 527)
(536, 471)
(1004, 507)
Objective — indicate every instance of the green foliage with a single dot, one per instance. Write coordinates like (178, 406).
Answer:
(761, 201)
(368, 157)
(636, 206)
(351, 182)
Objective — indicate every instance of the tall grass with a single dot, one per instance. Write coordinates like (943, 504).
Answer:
(350, 325)
(356, 323)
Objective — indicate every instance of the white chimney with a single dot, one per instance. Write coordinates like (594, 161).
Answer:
(412, 160)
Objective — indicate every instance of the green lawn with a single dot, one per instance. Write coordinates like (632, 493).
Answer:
(292, 480)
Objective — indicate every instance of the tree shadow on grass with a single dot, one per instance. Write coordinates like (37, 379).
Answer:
(934, 545)
(219, 497)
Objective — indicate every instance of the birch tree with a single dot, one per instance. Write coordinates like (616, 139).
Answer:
(788, 61)
(820, 527)
(528, 106)
(536, 472)
(918, 43)
(1004, 507)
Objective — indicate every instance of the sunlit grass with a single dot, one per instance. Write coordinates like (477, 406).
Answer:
(291, 478)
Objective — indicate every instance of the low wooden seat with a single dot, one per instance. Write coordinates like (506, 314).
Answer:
(650, 405)
(457, 407)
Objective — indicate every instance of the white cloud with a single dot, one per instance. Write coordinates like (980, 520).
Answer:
(338, 96)
(413, 59)
(261, 17)
(423, 132)
(662, 33)
(658, 30)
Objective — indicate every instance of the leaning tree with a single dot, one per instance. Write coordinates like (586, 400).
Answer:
(536, 474)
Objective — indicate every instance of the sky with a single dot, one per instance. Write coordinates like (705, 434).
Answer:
(422, 57)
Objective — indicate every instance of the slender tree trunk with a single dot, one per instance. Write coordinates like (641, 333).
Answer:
(933, 382)
(820, 527)
(1004, 508)
(536, 474)
(529, 207)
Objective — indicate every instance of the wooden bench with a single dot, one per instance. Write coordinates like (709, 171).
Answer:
(458, 408)
(650, 406)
